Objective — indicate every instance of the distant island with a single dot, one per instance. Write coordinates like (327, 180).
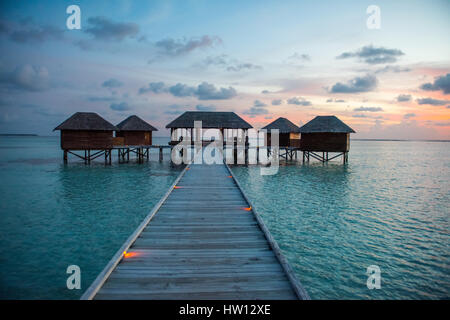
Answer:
(18, 135)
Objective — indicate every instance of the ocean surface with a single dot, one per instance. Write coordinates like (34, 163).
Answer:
(390, 207)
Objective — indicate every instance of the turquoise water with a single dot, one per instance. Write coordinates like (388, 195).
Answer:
(390, 207)
(53, 216)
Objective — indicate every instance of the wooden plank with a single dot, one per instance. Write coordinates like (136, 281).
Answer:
(247, 295)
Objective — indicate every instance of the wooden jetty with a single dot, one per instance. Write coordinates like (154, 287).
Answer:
(203, 240)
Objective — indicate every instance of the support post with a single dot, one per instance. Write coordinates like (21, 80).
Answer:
(160, 154)
(65, 156)
(235, 151)
(257, 154)
(246, 147)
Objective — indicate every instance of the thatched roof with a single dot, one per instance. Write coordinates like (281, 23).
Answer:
(283, 125)
(86, 121)
(218, 120)
(326, 124)
(134, 123)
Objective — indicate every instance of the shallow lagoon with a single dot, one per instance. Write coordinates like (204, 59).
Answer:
(389, 206)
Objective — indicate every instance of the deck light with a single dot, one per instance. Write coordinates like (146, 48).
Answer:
(129, 254)
(248, 209)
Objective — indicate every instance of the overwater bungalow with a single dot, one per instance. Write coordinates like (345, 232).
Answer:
(325, 134)
(86, 131)
(229, 124)
(289, 135)
(134, 131)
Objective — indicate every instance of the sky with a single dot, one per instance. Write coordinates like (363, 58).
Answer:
(260, 59)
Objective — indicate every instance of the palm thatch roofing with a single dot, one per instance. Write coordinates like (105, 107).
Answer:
(217, 120)
(283, 125)
(326, 124)
(134, 123)
(81, 121)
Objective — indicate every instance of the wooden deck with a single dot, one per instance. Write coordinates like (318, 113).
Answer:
(201, 241)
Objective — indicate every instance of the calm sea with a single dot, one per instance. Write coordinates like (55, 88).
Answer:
(388, 207)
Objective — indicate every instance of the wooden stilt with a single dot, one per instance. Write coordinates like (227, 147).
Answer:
(65, 156)
(235, 151)
(257, 155)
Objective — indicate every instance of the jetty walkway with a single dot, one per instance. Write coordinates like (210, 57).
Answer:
(203, 240)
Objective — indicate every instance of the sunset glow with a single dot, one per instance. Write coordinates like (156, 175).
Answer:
(261, 60)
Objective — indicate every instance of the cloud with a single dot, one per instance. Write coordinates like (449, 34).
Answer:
(440, 83)
(373, 55)
(300, 101)
(407, 129)
(255, 111)
(182, 90)
(175, 109)
(356, 85)
(442, 124)
(123, 106)
(112, 83)
(301, 57)
(30, 32)
(258, 108)
(431, 101)
(277, 102)
(361, 115)
(395, 69)
(404, 98)
(154, 87)
(106, 30)
(206, 91)
(368, 109)
(220, 60)
(244, 66)
(101, 99)
(200, 107)
(409, 115)
(259, 104)
(26, 77)
(335, 100)
(173, 112)
(233, 65)
(172, 47)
